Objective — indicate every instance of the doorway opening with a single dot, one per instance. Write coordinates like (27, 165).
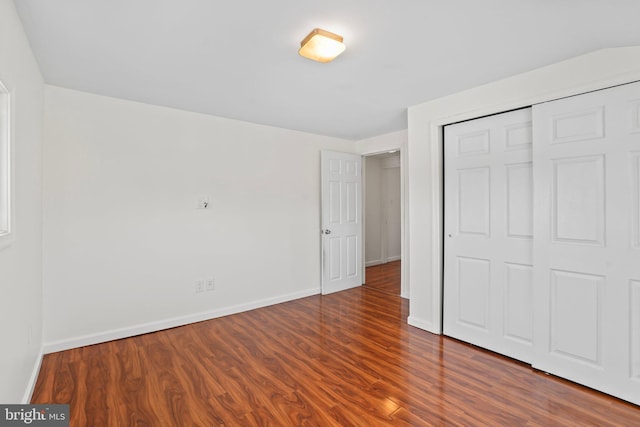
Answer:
(382, 222)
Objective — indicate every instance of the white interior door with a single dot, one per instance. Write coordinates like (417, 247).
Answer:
(488, 233)
(341, 183)
(587, 239)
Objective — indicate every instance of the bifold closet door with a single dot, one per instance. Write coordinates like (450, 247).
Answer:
(488, 233)
(587, 239)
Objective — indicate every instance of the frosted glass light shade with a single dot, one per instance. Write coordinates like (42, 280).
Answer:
(321, 46)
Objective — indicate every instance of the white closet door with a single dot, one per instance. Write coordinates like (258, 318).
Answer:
(587, 239)
(488, 233)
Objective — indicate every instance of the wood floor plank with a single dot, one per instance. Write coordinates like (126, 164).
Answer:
(346, 359)
(384, 277)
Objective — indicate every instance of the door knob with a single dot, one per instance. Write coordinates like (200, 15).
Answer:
(327, 231)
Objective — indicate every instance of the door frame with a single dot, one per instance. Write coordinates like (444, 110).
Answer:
(398, 143)
(597, 70)
(384, 193)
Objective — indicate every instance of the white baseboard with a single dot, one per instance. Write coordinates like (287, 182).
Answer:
(33, 378)
(144, 328)
(422, 324)
(394, 258)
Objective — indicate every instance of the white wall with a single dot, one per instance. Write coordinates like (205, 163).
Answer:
(391, 208)
(585, 73)
(373, 211)
(124, 243)
(21, 257)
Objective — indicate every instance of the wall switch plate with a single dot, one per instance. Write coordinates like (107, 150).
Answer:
(199, 286)
(210, 285)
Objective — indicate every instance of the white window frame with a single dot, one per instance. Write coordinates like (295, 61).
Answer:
(6, 205)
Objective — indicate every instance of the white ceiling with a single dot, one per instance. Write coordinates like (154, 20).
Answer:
(238, 59)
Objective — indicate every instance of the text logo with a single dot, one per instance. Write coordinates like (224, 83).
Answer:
(34, 415)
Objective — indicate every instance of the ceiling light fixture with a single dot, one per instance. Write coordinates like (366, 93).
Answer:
(321, 46)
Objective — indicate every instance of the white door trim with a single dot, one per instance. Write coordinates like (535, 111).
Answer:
(598, 70)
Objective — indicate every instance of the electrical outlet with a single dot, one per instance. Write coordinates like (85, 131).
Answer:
(210, 285)
(199, 286)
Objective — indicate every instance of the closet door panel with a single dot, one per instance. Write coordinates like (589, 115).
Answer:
(488, 233)
(586, 253)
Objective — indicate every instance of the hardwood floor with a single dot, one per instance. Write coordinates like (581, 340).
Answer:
(346, 359)
(384, 277)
